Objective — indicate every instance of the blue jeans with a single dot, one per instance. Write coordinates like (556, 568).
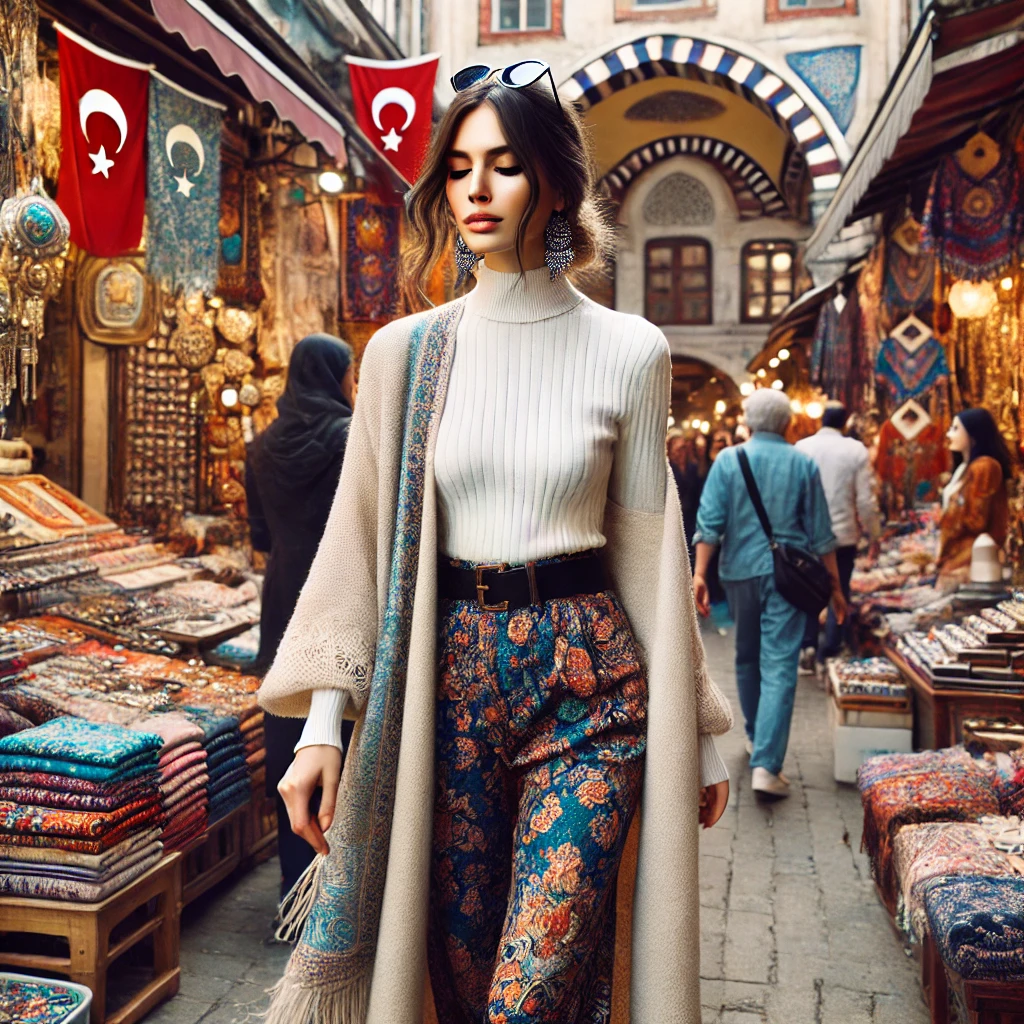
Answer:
(835, 635)
(769, 631)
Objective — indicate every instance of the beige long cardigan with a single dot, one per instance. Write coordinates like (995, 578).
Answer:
(330, 642)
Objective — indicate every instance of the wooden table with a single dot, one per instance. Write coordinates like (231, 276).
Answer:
(88, 929)
(939, 712)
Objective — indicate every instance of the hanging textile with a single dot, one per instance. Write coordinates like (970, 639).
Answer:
(901, 374)
(972, 216)
(102, 185)
(370, 241)
(183, 189)
(909, 282)
(869, 293)
(833, 366)
(909, 469)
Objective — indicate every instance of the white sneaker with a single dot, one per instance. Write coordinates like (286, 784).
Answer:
(762, 781)
(748, 745)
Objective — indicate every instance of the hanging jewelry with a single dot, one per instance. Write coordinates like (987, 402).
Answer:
(559, 254)
(465, 260)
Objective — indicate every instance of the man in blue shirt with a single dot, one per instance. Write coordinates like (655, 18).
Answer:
(769, 629)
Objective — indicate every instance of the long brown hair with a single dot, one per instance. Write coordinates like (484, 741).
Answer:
(542, 138)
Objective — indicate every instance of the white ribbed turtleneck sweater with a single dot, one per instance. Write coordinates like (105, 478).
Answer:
(554, 405)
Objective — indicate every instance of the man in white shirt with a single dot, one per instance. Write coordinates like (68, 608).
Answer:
(846, 476)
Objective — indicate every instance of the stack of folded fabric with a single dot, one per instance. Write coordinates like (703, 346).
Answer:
(230, 785)
(910, 789)
(183, 777)
(80, 809)
(977, 924)
(924, 852)
(253, 737)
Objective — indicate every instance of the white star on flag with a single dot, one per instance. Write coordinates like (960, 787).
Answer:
(184, 185)
(101, 164)
(391, 141)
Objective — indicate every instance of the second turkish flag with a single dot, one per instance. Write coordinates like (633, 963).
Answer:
(394, 102)
(102, 183)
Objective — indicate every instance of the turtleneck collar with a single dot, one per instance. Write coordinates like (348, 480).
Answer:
(519, 298)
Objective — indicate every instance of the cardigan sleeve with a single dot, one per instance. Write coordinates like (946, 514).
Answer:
(984, 478)
(331, 639)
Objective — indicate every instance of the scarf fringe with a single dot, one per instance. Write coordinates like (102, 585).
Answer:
(294, 1003)
(298, 903)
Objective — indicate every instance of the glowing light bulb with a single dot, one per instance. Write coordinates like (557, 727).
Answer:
(695, 424)
(778, 385)
(814, 410)
(1006, 284)
(671, 421)
(229, 398)
(773, 362)
(331, 182)
(783, 354)
(796, 405)
(704, 426)
(746, 388)
(971, 300)
(720, 406)
(762, 373)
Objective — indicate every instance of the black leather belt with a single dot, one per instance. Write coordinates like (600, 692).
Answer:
(500, 588)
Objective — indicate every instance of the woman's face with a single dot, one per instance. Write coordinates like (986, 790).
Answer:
(488, 193)
(718, 443)
(959, 439)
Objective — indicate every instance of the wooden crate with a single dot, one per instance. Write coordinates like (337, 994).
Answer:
(90, 930)
(213, 857)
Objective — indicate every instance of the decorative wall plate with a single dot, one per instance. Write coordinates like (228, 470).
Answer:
(193, 343)
(117, 302)
(235, 325)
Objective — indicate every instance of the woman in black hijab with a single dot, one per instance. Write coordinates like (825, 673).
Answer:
(291, 475)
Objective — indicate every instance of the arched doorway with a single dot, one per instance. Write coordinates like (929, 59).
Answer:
(703, 396)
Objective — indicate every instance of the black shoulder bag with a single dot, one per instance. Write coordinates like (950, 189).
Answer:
(800, 577)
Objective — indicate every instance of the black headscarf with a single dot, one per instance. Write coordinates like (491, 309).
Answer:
(311, 428)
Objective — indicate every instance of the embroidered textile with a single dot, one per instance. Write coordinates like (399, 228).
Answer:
(909, 470)
(974, 224)
(174, 728)
(11, 722)
(901, 374)
(169, 758)
(225, 760)
(39, 887)
(909, 284)
(978, 924)
(29, 819)
(37, 1002)
(72, 739)
(94, 862)
(923, 852)
(213, 723)
(833, 368)
(74, 801)
(230, 799)
(370, 238)
(953, 791)
(153, 815)
(338, 942)
(185, 765)
(84, 874)
(183, 189)
(538, 778)
(29, 705)
(113, 791)
(137, 768)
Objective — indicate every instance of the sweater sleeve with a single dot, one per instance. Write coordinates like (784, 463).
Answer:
(640, 469)
(323, 726)
(331, 639)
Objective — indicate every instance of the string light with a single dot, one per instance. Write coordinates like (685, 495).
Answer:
(705, 426)
(773, 362)
(1006, 284)
(331, 182)
(796, 405)
(783, 354)
(972, 300)
(746, 388)
(695, 424)
(762, 373)
(778, 385)
(815, 410)
(720, 406)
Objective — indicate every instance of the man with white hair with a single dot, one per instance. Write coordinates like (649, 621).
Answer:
(769, 630)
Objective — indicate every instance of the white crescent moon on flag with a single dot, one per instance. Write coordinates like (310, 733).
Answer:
(185, 134)
(400, 97)
(99, 101)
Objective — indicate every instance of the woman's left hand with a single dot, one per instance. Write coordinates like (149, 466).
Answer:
(712, 802)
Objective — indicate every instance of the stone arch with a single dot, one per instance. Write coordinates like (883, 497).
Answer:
(752, 188)
(679, 200)
(715, 64)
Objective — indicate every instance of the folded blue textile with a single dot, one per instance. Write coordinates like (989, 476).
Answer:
(223, 756)
(212, 723)
(139, 766)
(75, 739)
(977, 923)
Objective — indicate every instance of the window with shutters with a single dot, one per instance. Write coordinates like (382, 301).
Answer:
(668, 10)
(678, 281)
(769, 273)
(525, 18)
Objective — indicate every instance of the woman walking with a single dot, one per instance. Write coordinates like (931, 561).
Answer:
(291, 476)
(498, 598)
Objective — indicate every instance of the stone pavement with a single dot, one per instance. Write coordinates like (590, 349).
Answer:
(792, 932)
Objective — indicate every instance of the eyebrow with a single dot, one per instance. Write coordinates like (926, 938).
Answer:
(497, 151)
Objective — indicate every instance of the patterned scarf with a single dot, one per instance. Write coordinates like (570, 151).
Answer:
(328, 976)
(978, 924)
(974, 224)
(909, 281)
(901, 374)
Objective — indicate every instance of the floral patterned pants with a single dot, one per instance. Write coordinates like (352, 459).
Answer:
(541, 730)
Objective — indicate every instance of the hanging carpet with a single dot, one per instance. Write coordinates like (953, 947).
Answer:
(901, 374)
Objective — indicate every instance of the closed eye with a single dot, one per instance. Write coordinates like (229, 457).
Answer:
(509, 172)
(457, 175)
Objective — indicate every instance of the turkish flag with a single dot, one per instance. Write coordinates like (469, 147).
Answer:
(394, 101)
(102, 184)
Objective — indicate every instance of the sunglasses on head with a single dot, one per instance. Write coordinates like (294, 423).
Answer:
(515, 76)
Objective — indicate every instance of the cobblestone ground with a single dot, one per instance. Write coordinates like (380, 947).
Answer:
(791, 930)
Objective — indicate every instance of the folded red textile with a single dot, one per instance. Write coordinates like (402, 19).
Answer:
(153, 815)
(76, 784)
(172, 755)
(34, 819)
(118, 795)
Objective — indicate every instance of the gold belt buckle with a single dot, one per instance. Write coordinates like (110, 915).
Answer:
(481, 587)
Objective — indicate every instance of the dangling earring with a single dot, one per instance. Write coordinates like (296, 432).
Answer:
(465, 260)
(558, 251)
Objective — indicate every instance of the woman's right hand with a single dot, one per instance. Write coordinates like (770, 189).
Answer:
(318, 765)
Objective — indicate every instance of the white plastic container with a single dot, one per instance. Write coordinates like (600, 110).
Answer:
(79, 1015)
(853, 745)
